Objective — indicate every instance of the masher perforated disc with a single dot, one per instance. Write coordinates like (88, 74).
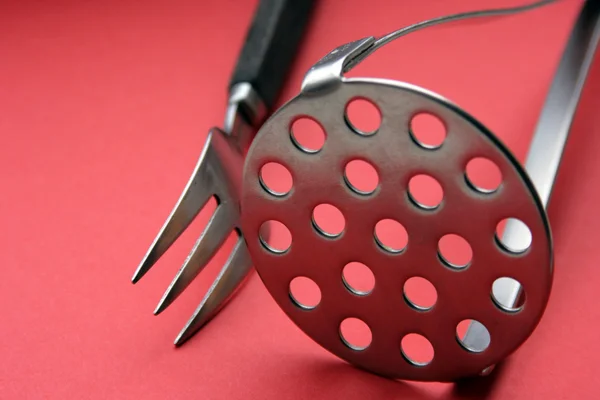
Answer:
(462, 292)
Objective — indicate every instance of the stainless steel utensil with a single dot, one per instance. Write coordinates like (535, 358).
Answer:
(487, 292)
(268, 51)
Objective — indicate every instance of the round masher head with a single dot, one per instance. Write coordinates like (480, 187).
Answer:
(499, 291)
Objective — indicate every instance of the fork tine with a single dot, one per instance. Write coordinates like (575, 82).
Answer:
(196, 194)
(211, 240)
(230, 278)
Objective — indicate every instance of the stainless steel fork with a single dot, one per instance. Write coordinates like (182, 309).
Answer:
(268, 51)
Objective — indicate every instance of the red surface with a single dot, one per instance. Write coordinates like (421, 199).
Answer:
(104, 108)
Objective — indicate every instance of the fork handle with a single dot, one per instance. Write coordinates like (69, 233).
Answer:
(270, 46)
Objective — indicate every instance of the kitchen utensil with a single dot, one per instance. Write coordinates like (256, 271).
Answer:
(498, 296)
(268, 51)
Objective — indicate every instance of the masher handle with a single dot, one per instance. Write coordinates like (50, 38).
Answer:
(552, 131)
(548, 143)
(270, 46)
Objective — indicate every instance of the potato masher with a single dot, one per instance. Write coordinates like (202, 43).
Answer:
(268, 51)
(485, 307)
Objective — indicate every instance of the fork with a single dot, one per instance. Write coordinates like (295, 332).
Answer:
(268, 51)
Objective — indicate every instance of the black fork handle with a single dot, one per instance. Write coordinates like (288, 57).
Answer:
(270, 46)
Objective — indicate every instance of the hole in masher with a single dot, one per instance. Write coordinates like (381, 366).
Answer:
(416, 349)
(427, 130)
(355, 334)
(483, 175)
(425, 191)
(419, 293)
(361, 176)
(305, 293)
(391, 236)
(307, 134)
(275, 236)
(455, 251)
(328, 220)
(513, 235)
(363, 116)
(276, 179)
(508, 294)
(478, 339)
(358, 278)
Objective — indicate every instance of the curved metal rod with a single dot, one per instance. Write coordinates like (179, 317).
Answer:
(382, 41)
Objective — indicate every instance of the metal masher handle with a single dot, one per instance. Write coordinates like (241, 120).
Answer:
(382, 41)
(549, 140)
(345, 57)
(269, 49)
(552, 131)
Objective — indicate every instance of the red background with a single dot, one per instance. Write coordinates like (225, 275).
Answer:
(104, 108)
